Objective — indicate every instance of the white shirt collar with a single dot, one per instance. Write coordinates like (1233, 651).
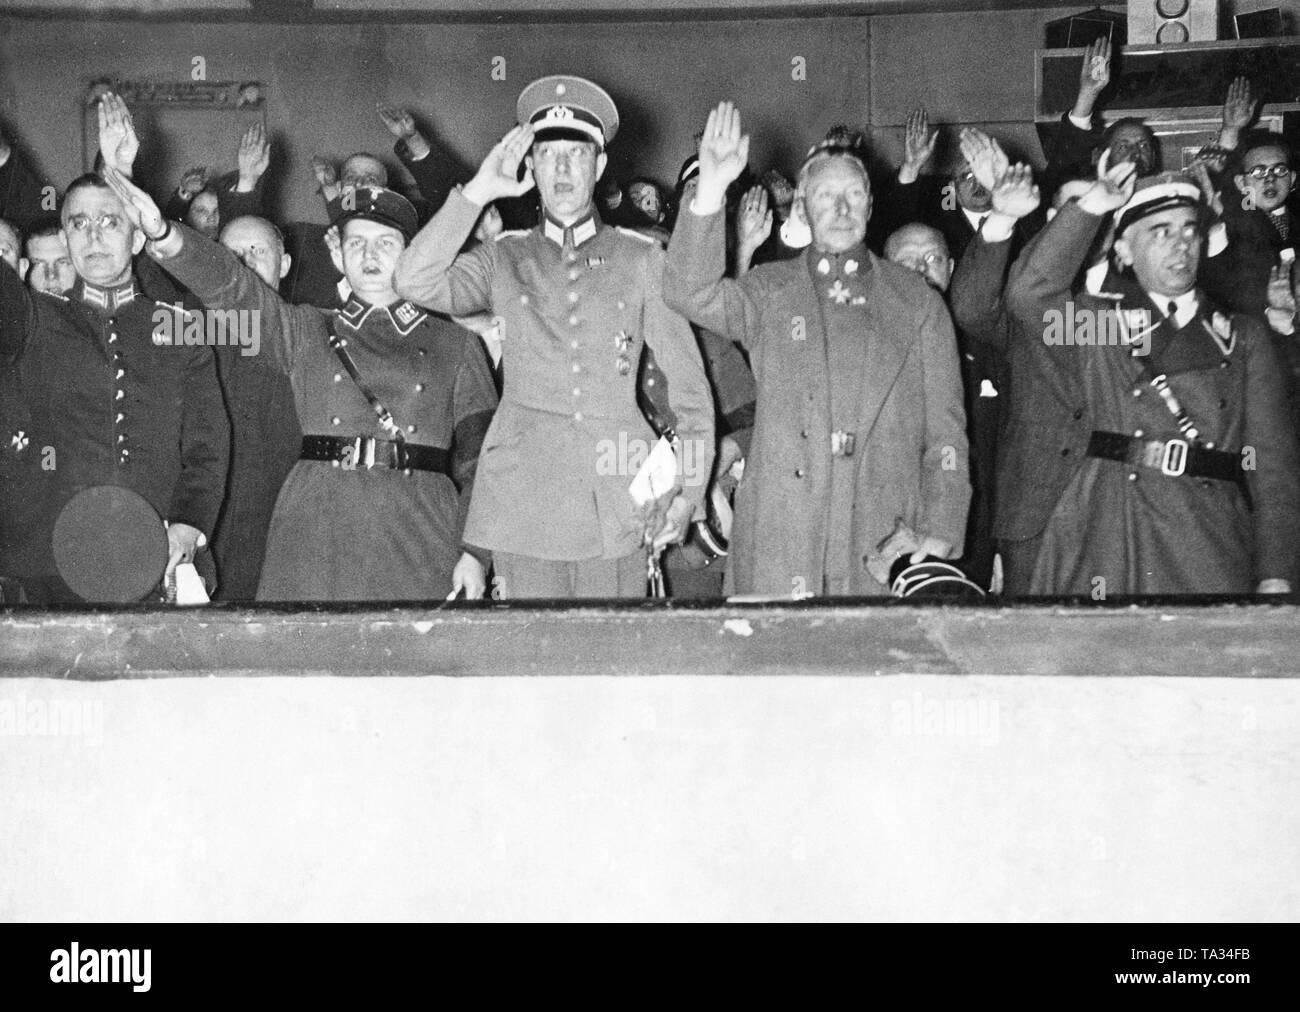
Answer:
(1186, 304)
(974, 217)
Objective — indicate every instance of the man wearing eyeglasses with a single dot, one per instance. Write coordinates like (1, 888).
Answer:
(102, 402)
(1262, 216)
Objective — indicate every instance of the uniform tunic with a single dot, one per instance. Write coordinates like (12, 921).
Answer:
(112, 405)
(379, 534)
(1120, 529)
(577, 306)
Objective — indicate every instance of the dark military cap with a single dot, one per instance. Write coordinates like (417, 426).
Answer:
(375, 203)
(563, 107)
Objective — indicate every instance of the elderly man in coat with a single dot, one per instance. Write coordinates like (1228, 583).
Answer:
(859, 422)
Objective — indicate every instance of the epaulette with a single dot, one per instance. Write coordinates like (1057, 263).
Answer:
(513, 233)
(638, 235)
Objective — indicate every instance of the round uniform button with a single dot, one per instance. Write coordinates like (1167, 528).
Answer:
(419, 388)
(577, 392)
(1078, 414)
(577, 416)
(573, 296)
(572, 258)
(338, 377)
(621, 305)
(803, 434)
(574, 275)
(1223, 364)
(650, 382)
(1132, 476)
(1065, 452)
(573, 321)
(573, 344)
(523, 299)
(576, 367)
(1137, 391)
(122, 372)
(335, 420)
(799, 472)
(410, 429)
(1138, 433)
(120, 395)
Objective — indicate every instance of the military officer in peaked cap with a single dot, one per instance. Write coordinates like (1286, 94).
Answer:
(578, 301)
(392, 423)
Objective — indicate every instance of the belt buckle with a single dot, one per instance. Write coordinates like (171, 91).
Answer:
(1173, 461)
(359, 453)
(842, 443)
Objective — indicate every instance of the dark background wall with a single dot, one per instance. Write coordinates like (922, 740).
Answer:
(324, 79)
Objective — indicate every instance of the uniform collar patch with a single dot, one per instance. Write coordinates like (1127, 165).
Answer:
(577, 233)
(354, 312)
(406, 316)
(106, 298)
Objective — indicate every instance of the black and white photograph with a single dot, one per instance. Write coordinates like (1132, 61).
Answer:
(684, 462)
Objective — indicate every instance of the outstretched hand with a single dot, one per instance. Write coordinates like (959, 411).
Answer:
(1239, 106)
(1113, 188)
(724, 152)
(498, 176)
(1094, 75)
(140, 208)
(1015, 194)
(987, 161)
(254, 155)
(918, 145)
(118, 142)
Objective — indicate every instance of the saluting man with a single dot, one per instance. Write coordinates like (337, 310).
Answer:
(577, 302)
(96, 400)
(859, 422)
(392, 423)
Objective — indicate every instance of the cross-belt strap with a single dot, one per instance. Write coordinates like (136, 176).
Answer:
(340, 347)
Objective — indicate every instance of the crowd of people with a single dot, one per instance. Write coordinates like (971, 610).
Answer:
(1079, 381)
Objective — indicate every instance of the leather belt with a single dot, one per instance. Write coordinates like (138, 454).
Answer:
(365, 452)
(1173, 457)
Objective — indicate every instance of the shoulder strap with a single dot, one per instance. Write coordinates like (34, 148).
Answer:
(340, 348)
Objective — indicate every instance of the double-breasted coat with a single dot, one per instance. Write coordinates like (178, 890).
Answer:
(95, 399)
(1136, 529)
(352, 533)
(910, 460)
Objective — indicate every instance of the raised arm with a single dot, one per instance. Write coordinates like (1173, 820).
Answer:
(209, 270)
(976, 291)
(694, 282)
(1045, 274)
(429, 272)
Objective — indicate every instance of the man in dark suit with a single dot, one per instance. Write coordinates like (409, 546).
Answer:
(1262, 214)
(1149, 449)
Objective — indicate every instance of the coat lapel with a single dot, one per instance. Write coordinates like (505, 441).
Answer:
(889, 345)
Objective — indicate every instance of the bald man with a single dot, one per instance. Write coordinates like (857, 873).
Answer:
(265, 434)
(924, 249)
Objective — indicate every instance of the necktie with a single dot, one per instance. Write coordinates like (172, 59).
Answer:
(1282, 224)
(979, 225)
(1173, 313)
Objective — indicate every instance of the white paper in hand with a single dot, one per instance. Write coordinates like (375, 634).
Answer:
(189, 585)
(657, 476)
